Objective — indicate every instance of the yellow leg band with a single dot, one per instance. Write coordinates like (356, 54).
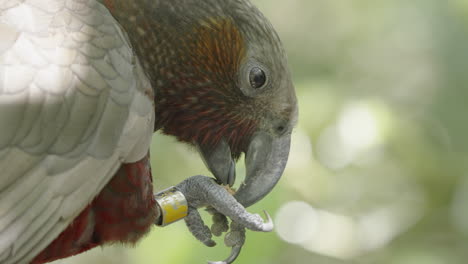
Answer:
(173, 206)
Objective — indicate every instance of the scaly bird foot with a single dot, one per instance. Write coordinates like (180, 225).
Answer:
(198, 228)
(201, 191)
(234, 239)
(220, 222)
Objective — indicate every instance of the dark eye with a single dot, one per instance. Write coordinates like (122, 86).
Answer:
(257, 77)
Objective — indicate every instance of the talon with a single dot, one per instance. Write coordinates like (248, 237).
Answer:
(234, 254)
(268, 225)
(202, 191)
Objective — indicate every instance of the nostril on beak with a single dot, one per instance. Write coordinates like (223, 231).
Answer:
(281, 128)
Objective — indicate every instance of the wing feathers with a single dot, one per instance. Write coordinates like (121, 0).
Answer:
(10, 111)
(42, 230)
(74, 105)
(9, 36)
(109, 130)
(12, 172)
(19, 76)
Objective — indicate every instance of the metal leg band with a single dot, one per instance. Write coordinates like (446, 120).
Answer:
(173, 206)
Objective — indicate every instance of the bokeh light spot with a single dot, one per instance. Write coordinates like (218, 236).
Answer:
(357, 127)
(296, 222)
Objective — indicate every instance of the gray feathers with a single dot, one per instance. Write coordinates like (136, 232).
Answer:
(72, 109)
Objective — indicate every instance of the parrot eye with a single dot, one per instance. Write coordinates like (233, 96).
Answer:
(257, 78)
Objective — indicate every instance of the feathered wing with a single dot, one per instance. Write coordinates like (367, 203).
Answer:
(74, 105)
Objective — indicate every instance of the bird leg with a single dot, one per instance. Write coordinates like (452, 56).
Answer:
(201, 191)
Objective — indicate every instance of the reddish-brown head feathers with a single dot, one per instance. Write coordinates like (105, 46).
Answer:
(197, 56)
(200, 101)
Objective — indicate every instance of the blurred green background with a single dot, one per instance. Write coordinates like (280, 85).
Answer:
(378, 165)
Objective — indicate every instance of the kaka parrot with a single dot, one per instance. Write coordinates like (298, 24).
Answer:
(83, 86)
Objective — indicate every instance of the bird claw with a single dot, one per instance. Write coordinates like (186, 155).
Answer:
(234, 254)
(268, 225)
(203, 191)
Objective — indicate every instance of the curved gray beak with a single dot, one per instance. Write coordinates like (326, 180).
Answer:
(219, 161)
(265, 161)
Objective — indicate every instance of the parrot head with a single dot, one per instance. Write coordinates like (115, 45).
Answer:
(221, 83)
